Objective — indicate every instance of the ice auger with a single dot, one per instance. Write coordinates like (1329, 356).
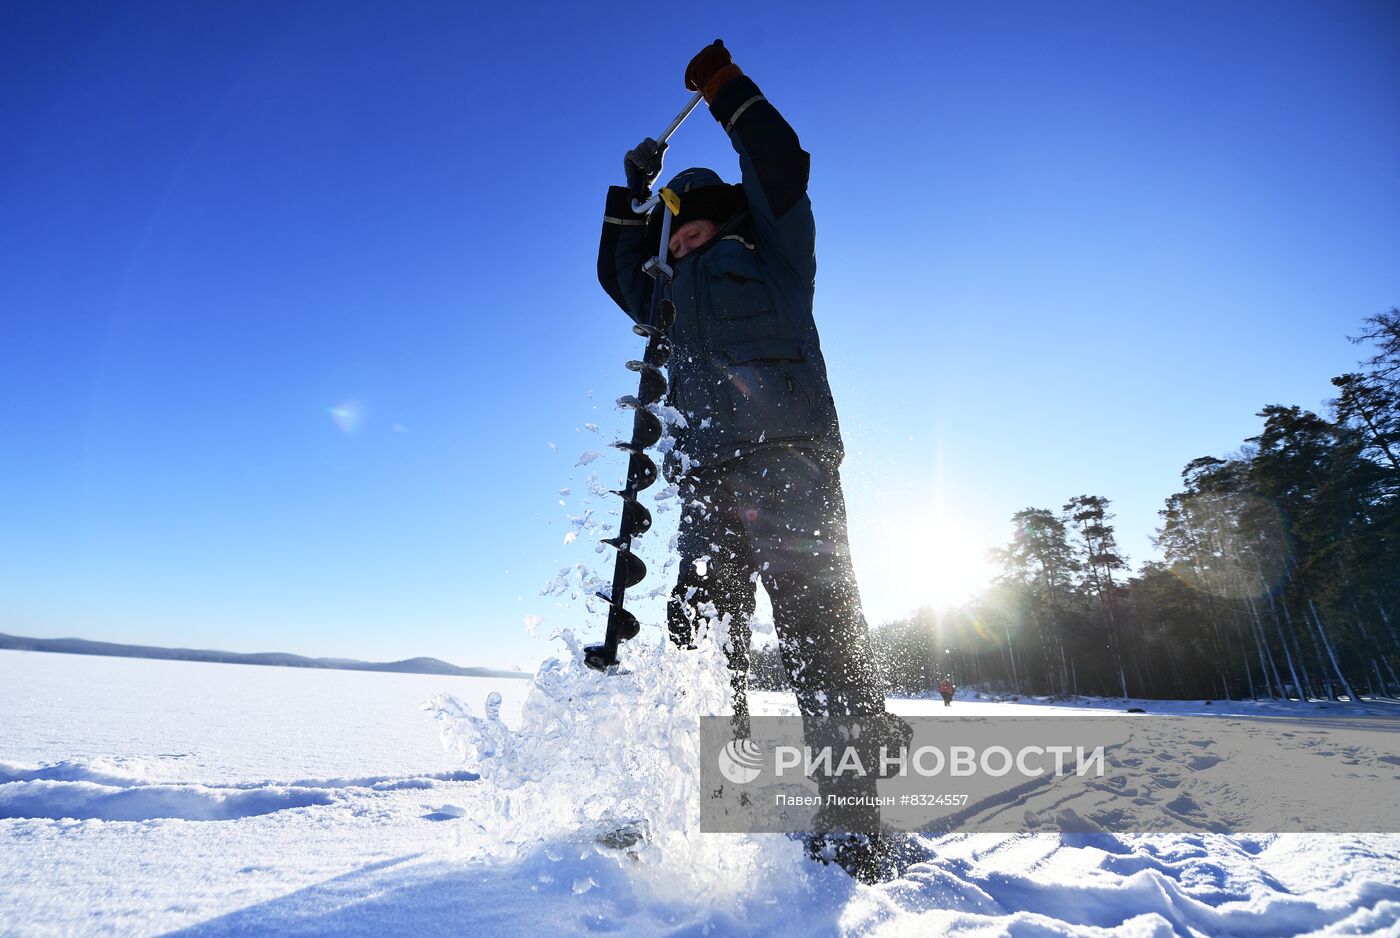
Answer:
(646, 425)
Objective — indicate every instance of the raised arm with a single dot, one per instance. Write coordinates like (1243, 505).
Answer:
(623, 247)
(621, 252)
(775, 168)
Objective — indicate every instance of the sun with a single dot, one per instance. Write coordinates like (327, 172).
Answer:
(920, 558)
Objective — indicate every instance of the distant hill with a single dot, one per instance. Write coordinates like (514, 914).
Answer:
(79, 646)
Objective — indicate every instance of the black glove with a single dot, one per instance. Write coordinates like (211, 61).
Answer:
(643, 165)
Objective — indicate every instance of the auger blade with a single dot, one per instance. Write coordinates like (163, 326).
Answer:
(653, 383)
(628, 626)
(622, 627)
(599, 657)
(658, 351)
(641, 471)
(653, 388)
(665, 319)
(634, 570)
(636, 519)
(666, 315)
(646, 426)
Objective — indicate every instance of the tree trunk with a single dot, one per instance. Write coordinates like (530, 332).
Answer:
(1331, 653)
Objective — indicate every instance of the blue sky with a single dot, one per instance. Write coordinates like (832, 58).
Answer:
(295, 298)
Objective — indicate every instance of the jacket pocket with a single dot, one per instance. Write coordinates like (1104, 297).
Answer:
(735, 283)
(770, 391)
(759, 349)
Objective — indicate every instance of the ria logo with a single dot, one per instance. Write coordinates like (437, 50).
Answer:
(740, 761)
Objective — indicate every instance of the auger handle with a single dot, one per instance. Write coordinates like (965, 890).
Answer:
(642, 208)
(671, 127)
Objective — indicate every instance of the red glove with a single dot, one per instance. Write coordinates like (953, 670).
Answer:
(711, 70)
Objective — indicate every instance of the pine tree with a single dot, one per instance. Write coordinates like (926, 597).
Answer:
(1089, 517)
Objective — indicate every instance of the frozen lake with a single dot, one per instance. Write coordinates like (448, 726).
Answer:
(144, 797)
(194, 721)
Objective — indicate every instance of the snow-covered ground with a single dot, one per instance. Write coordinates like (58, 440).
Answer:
(144, 797)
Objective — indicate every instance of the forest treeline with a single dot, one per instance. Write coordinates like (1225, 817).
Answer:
(1279, 577)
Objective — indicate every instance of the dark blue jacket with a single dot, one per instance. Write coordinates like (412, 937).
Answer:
(747, 371)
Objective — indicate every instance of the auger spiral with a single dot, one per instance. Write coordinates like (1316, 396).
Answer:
(629, 569)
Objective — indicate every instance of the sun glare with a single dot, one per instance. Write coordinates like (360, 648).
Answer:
(918, 560)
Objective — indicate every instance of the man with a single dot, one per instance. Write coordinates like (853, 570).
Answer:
(757, 460)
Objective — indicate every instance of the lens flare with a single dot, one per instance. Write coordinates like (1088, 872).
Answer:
(981, 630)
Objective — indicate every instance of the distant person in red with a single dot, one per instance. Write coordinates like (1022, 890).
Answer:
(947, 688)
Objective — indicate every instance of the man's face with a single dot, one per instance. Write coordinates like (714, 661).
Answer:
(692, 235)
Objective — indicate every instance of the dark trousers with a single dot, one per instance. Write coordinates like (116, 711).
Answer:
(777, 515)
